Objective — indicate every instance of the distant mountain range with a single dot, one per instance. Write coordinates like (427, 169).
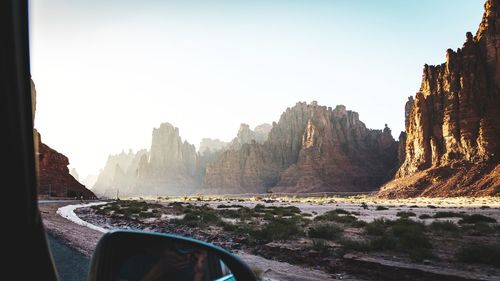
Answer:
(312, 148)
(450, 147)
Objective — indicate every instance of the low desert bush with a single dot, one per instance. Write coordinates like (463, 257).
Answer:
(444, 226)
(475, 218)
(424, 216)
(480, 253)
(447, 214)
(327, 231)
(405, 214)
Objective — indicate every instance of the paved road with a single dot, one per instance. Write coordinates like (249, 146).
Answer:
(71, 265)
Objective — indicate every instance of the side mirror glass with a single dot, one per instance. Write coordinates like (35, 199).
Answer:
(142, 256)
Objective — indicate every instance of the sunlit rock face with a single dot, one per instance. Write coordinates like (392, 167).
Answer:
(452, 139)
(312, 148)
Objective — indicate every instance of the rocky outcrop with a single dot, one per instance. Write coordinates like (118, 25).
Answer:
(54, 179)
(452, 140)
(312, 148)
(247, 135)
(119, 173)
(169, 168)
(208, 145)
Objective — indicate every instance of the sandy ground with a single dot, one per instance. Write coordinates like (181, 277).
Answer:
(371, 213)
(84, 240)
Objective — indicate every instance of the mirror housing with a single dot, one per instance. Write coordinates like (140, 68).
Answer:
(138, 253)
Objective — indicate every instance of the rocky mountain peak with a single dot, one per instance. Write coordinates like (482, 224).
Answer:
(451, 144)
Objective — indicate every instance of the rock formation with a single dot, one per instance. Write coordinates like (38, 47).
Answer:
(208, 145)
(312, 148)
(119, 173)
(54, 178)
(169, 168)
(452, 139)
(247, 135)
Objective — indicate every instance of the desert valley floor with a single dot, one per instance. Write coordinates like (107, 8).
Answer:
(286, 238)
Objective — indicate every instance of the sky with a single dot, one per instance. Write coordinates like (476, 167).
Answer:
(108, 72)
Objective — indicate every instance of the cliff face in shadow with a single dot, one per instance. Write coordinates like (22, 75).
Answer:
(312, 148)
(452, 140)
(54, 178)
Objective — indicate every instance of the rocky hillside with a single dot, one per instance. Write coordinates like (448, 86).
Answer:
(451, 146)
(168, 168)
(312, 148)
(119, 169)
(54, 176)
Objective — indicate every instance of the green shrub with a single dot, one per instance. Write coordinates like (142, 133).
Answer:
(335, 217)
(356, 245)
(381, 208)
(480, 253)
(341, 211)
(475, 218)
(222, 206)
(200, 218)
(479, 229)
(385, 242)
(149, 215)
(404, 214)
(359, 224)
(327, 231)
(376, 227)
(279, 229)
(319, 245)
(364, 205)
(447, 214)
(444, 226)
(424, 216)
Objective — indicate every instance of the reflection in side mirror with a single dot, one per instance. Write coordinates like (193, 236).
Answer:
(141, 256)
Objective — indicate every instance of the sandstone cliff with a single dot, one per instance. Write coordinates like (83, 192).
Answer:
(119, 173)
(312, 148)
(54, 177)
(208, 145)
(247, 135)
(452, 139)
(169, 168)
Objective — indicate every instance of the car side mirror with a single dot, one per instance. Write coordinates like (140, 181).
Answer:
(123, 255)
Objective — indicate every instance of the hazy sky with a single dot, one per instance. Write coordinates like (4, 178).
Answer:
(108, 72)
